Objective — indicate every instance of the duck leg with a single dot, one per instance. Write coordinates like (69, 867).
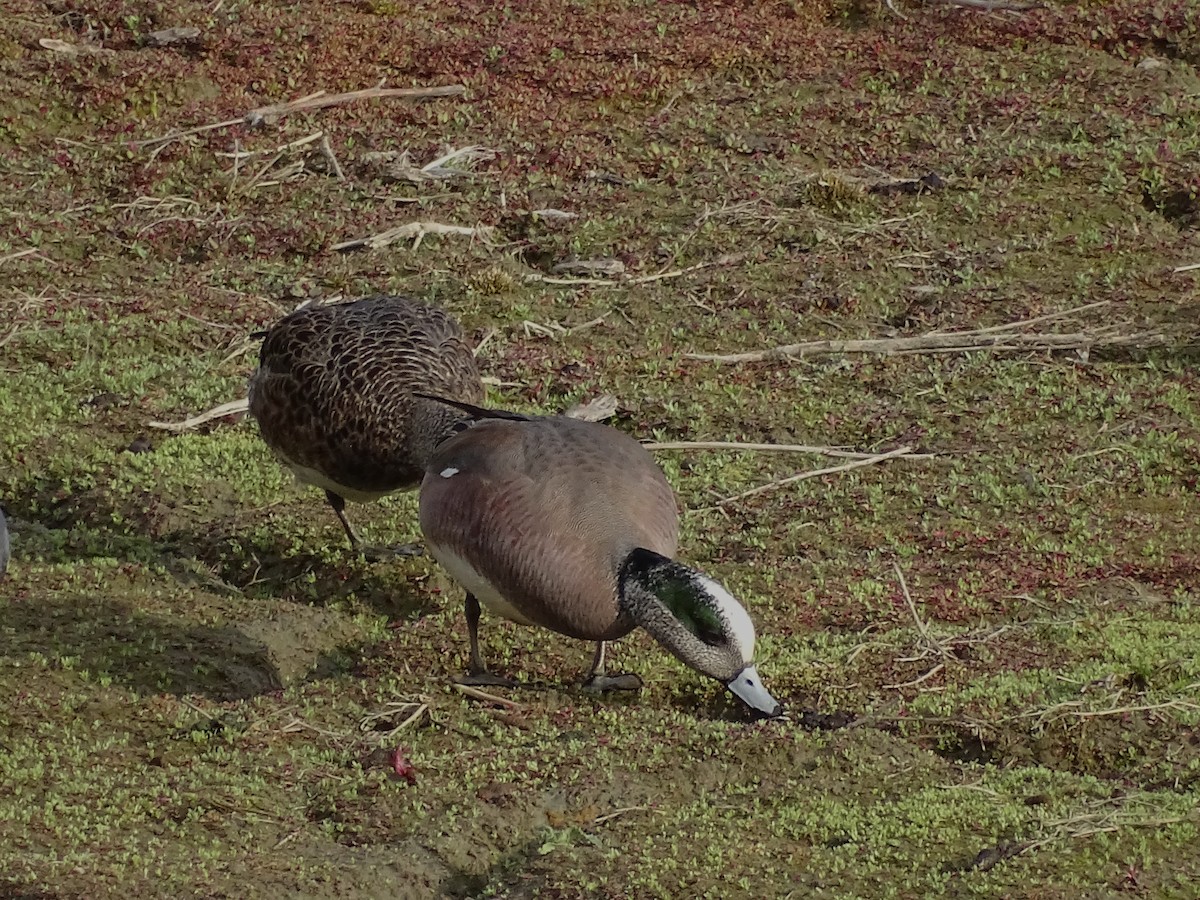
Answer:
(599, 682)
(338, 502)
(371, 554)
(477, 673)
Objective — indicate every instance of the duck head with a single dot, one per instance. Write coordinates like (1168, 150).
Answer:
(698, 621)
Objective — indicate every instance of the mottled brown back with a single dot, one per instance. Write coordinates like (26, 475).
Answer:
(547, 510)
(334, 390)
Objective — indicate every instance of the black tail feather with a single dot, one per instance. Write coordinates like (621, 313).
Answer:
(475, 412)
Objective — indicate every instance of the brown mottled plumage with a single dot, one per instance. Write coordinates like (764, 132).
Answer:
(333, 394)
(571, 526)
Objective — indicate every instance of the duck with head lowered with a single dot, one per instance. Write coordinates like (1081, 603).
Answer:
(335, 394)
(572, 526)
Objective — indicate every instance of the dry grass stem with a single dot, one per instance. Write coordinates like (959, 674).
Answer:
(957, 342)
(918, 680)
(929, 645)
(1037, 320)
(1188, 268)
(28, 251)
(300, 725)
(988, 5)
(724, 260)
(772, 448)
(175, 135)
(556, 330)
(331, 158)
(233, 407)
(398, 165)
(264, 115)
(599, 820)
(411, 710)
(476, 694)
(815, 473)
(927, 639)
(270, 151)
(1088, 824)
(1074, 709)
(416, 231)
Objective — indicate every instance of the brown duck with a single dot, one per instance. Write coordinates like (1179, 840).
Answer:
(572, 526)
(334, 394)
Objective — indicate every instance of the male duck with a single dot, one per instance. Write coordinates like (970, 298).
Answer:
(571, 526)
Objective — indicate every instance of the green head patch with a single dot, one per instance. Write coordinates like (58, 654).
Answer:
(690, 604)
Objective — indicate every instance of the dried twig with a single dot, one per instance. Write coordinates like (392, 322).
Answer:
(557, 330)
(726, 259)
(589, 267)
(920, 679)
(957, 342)
(275, 151)
(1081, 825)
(269, 114)
(1037, 320)
(476, 694)
(989, 5)
(187, 132)
(929, 644)
(320, 100)
(599, 820)
(768, 448)
(412, 710)
(398, 165)
(28, 251)
(1187, 268)
(922, 626)
(416, 231)
(327, 152)
(1074, 708)
(815, 473)
(225, 409)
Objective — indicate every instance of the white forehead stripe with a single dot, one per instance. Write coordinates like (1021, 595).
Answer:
(449, 472)
(741, 629)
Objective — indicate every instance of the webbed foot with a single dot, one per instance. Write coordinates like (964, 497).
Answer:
(626, 681)
(485, 678)
(374, 554)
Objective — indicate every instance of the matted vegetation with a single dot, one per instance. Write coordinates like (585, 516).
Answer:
(988, 645)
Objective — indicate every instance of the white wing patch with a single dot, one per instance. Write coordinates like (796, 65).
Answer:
(449, 472)
(741, 629)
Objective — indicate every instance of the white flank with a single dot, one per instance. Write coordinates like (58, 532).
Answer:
(466, 575)
(449, 472)
(741, 629)
(306, 475)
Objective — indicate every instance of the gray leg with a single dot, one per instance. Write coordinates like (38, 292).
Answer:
(339, 506)
(371, 554)
(477, 673)
(599, 682)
